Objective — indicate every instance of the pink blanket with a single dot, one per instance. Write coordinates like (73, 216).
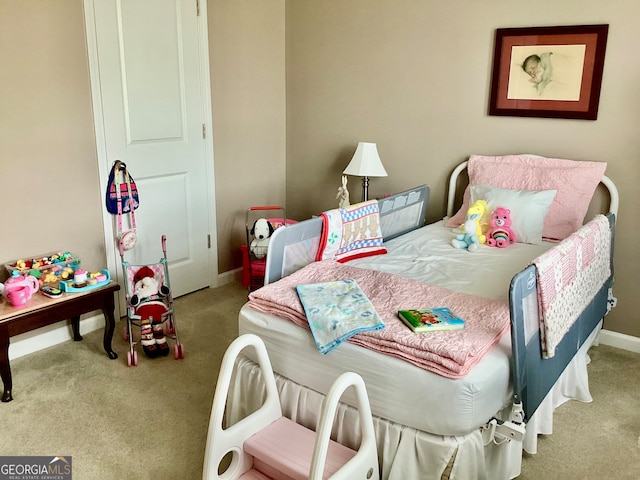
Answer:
(450, 354)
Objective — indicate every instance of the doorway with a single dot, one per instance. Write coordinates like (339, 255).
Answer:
(149, 69)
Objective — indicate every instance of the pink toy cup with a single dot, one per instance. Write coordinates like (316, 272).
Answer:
(18, 296)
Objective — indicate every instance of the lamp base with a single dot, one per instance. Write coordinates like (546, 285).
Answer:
(365, 189)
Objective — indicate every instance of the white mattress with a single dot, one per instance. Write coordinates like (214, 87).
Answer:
(399, 391)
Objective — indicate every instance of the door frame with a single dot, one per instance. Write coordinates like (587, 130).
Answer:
(104, 163)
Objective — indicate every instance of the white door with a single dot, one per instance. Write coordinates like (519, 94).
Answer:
(149, 74)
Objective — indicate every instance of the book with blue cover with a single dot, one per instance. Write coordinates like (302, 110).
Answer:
(336, 311)
(431, 319)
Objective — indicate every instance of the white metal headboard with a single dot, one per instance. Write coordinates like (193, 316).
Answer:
(614, 198)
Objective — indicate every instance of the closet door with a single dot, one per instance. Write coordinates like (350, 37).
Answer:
(150, 84)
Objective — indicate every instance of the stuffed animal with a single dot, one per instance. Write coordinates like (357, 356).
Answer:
(343, 194)
(470, 233)
(261, 231)
(478, 210)
(468, 239)
(500, 234)
(147, 304)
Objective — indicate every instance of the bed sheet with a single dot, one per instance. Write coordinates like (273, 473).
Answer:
(426, 254)
(396, 388)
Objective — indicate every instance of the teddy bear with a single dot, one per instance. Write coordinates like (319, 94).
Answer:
(148, 305)
(500, 234)
(261, 231)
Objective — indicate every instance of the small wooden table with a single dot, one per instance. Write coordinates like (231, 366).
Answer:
(41, 311)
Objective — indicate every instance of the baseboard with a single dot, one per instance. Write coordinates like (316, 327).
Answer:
(230, 277)
(619, 340)
(50, 335)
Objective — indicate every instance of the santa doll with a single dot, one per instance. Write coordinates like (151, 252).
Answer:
(148, 305)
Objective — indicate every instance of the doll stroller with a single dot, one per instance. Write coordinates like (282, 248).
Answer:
(152, 313)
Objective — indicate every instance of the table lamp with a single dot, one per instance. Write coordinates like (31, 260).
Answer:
(365, 163)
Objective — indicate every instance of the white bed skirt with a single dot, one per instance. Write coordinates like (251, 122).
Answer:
(573, 384)
(405, 452)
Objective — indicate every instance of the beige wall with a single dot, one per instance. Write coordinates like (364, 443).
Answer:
(414, 76)
(48, 165)
(246, 40)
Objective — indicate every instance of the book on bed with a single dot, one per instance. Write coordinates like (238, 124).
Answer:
(422, 320)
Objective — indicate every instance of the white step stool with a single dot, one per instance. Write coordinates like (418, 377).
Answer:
(267, 446)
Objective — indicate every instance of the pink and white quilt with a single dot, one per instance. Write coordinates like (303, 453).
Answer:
(351, 232)
(450, 354)
(569, 276)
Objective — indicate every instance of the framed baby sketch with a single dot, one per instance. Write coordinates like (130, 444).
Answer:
(553, 72)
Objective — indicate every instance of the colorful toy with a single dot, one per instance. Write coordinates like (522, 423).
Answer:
(18, 289)
(471, 234)
(93, 280)
(500, 234)
(468, 239)
(478, 210)
(261, 231)
(147, 303)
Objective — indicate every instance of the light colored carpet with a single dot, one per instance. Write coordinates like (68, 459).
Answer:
(150, 422)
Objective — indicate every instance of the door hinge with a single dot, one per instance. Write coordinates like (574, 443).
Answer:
(208, 241)
(204, 131)
(198, 7)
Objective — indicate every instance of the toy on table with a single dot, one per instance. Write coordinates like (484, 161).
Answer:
(500, 234)
(471, 230)
(50, 292)
(81, 280)
(261, 231)
(34, 266)
(147, 303)
(19, 289)
(56, 274)
(49, 269)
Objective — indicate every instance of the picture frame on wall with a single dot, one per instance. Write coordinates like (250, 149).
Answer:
(552, 72)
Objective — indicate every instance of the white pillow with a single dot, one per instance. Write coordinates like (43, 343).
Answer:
(528, 209)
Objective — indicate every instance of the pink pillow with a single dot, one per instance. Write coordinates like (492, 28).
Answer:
(574, 181)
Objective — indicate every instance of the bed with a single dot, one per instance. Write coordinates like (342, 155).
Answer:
(434, 420)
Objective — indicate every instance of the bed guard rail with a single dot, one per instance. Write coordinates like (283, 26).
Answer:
(533, 375)
(293, 247)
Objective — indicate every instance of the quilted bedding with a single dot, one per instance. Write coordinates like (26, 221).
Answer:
(450, 354)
